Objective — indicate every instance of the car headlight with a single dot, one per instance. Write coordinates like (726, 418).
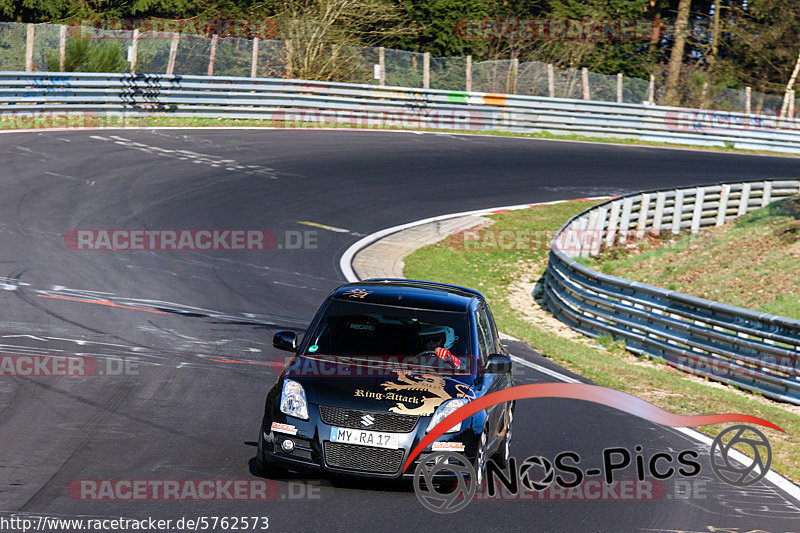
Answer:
(443, 411)
(293, 400)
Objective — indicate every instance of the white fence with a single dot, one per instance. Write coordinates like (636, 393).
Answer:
(752, 350)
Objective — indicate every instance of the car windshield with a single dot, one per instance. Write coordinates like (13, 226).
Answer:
(364, 329)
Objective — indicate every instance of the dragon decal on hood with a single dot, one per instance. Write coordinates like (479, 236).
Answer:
(433, 389)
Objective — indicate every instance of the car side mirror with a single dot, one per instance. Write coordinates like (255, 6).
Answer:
(498, 364)
(285, 340)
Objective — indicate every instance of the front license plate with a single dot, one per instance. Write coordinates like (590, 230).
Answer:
(365, 438)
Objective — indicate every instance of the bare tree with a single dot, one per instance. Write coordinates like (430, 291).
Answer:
(715, 33)
(789, 85)
(676, 55)
(325, 34)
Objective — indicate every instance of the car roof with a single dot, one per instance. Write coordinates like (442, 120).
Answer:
(410, 293)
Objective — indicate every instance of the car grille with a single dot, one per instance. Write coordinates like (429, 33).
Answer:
(351, 418)
(363, 458)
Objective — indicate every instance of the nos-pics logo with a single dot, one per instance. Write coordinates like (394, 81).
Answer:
(446, 482)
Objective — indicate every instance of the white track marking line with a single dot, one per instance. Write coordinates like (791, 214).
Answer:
(478, 134)
(544, 370)
(772, 476)
(345, 265)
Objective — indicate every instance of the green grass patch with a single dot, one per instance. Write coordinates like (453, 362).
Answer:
(496, 273)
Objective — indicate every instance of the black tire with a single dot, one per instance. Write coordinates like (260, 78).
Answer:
(270, 470)
(502, 455)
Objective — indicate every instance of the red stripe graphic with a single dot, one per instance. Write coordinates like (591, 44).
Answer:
(580, 391)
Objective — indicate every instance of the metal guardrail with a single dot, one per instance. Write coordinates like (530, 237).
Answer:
(343, 104)
(754, 351)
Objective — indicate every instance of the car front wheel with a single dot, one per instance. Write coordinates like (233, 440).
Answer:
(480, 460)
(503, 454)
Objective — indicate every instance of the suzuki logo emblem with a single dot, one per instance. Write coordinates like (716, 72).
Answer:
(367, 420)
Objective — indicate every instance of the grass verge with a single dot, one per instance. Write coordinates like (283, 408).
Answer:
(14, 122)
(506, 275)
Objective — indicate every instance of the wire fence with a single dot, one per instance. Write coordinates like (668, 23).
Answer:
(47, 47)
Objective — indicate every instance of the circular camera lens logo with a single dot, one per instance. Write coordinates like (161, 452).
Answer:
(452, 473)
(729, 471)
(538, 462)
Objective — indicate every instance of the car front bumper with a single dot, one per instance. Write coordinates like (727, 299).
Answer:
(313, 451)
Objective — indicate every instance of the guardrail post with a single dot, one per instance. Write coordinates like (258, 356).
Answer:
(766, 195)
(212, 55)
(744, 200)
(704, 96)
(381, 66)
(597, 231)
(747, 101)
(588, 234)
(29, 48)
(658, 215)
(551, 82)
(173, 51)
(254, 60)
(426, 70)
(677, 214)
(583, 224)
(134, 51)
(288, 52)
(585, 82)
(699, 198)
(611, 232)
(724, 194)
(513, 72)
(641, 222)
(468, 74)
(62, 47)
(625, 222)
(572, 243)
(619, 87)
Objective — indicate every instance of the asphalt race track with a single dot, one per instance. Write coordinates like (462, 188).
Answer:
(195, 328)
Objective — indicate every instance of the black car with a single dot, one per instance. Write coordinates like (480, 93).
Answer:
(382, 362)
